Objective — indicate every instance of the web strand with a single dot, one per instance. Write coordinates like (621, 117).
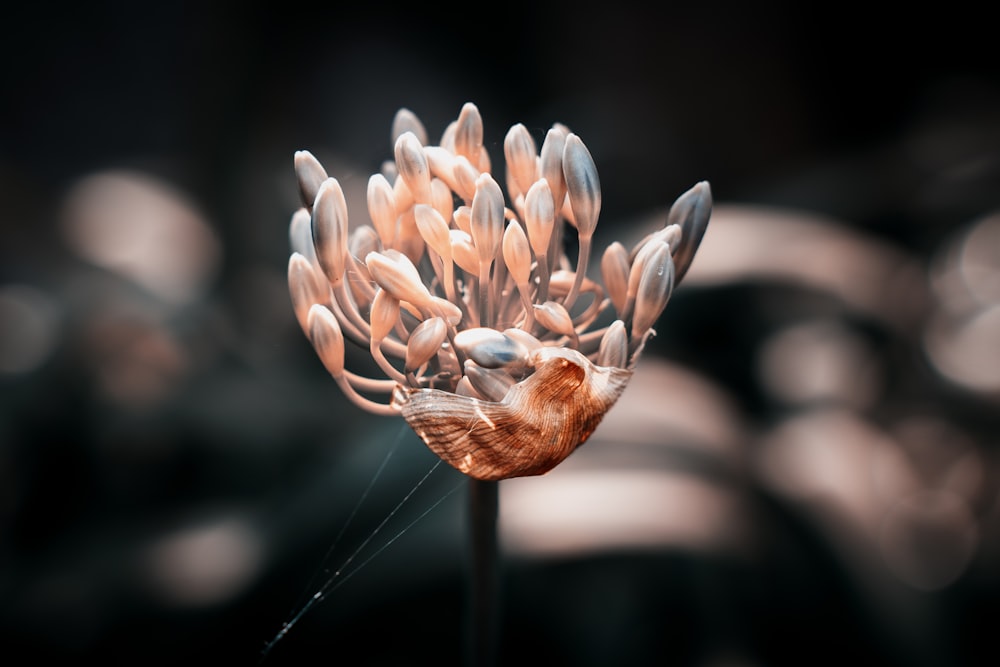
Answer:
(345, 572)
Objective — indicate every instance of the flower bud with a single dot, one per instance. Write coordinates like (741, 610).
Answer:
(656, 282)
(517, 254)
(522, 157)
(399, 277)
(614, 346)
(326, 338)
(490, 348)
(406, 121)
(691, 211)
(551, 166)
(487, 221)
(425, 342)
(329, 230)
(413, 167)
(614, 272)
(539, 215)
(490, 383)
(383, 315)
(469, 133)
(433, 229)
(382, 209)
(582, 185)
(554, 317)
(300, 234)
(305, 288)
(310, 175)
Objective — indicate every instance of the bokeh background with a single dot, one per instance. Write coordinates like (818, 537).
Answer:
(804, 470)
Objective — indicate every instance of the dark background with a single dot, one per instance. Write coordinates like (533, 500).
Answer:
(885, 119)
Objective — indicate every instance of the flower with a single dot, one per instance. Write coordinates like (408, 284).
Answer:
(501, 353)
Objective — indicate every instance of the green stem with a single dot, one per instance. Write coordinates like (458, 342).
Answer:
(484, 575)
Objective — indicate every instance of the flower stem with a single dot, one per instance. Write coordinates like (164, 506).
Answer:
(484, 573)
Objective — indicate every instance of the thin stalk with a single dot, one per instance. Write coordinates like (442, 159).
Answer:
(483, 620)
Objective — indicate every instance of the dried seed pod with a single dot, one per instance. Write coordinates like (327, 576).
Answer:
(540, 421)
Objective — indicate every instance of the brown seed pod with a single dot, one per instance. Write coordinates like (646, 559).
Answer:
(540, 421)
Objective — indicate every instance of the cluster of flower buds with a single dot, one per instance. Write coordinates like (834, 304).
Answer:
(499, 351)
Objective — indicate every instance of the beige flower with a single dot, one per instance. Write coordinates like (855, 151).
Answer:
(499, 351)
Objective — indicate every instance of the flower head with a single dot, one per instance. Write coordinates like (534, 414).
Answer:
(498, 349)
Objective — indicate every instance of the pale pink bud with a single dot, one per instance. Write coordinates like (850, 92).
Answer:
(383, 315)
(424, 342)
(463, 218)
(329, 230)
(487, 221)
(310, 175)
(327, 339)
(382, 209)
(490, 383)
(363, 240)
(413, 167)
(465, 178)
(451, 313)
(656, 282)
(551, 165)
(407, 121)
(517, 254)
(582, 185)
(399, 277)
(614, 346)
(464, 252)
(614, 272)
(691, 211)
(442, 198)
(539, 215)
(522, 157)
(305, 288)
(442, 164)
(554, 317)
(433, 229)
(491, 348)
(469, 133)
(300, 234)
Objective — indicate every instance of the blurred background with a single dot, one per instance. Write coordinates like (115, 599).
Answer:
(803, 471)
